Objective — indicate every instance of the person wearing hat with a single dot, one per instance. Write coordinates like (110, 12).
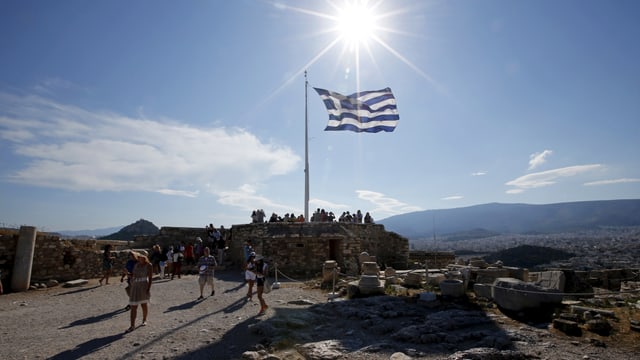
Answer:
(250, 274)
(261, 273)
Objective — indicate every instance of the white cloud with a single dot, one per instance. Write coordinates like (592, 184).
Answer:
(385, 206)
(612, 181)
(549, 177)
(71, 148)
(191, 194)
(327, 205)
(479, 173)
(453, 197)
(246, 198)
(538, 159)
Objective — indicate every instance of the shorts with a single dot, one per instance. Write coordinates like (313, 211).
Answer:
(250, 275)
(205, 280)
(260, 281)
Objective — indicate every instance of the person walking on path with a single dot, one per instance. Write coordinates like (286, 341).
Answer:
(261, 273)
(107, 264)
(250, 275)
(206, 267)
(128, 273)
(140, 290)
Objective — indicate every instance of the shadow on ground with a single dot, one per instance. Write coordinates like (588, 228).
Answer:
(95, 319)
(383, 325)
(86, 348)
(77, 290)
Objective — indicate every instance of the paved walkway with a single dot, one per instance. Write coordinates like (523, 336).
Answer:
(90, 321)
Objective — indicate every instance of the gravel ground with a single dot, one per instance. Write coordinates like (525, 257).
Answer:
(90, 322)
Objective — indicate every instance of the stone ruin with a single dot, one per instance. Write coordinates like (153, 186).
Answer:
(513, 290)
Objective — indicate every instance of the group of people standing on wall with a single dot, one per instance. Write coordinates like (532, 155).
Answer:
(320, 215)
(218, 241)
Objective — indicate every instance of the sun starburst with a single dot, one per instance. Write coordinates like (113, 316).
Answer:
(358, 25)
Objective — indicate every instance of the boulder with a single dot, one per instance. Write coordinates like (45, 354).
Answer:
(517, 295)
(452, 287)
(567, 326)
(551, 280)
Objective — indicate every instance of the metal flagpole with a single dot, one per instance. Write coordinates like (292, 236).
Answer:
(306, 151)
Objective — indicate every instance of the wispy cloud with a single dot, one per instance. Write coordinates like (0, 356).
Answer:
(385, 206)
(537, 159)
(453, 197)
(327, 205)
(479, 173)
(246, 197)
(179, 192)
(549, 177)
(71, 148)
(611, 182)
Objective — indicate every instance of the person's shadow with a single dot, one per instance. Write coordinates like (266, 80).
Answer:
(87, 348)
(234, 289)
(185, 306)
(95, 319)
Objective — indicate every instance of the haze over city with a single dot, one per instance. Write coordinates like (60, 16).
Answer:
(190, 113)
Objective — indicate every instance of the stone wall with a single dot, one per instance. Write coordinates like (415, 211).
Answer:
(302, 248)
(59, 259)
(170, 235)
(433, 259)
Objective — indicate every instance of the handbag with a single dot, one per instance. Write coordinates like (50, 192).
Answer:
(267, 286)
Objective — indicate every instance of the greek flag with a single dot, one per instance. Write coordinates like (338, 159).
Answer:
(365, 111)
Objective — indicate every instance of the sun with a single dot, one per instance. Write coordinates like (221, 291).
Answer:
(362, 27)
(356, 23)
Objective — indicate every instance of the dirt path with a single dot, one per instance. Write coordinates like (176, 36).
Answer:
(89, 321)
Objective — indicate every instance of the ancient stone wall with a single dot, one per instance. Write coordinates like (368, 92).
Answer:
(432, 259)
(302, 248)
(170, 235)
(59, 259)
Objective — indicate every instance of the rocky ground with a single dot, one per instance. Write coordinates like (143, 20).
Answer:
(301, 323)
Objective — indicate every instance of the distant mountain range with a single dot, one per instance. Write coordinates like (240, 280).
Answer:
(89, 233)
(496, 218)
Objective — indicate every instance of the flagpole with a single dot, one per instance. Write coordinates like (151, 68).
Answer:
(306, 151)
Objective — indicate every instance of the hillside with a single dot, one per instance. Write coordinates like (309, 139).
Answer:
(140, 227)
(516, 218)
(527, 256)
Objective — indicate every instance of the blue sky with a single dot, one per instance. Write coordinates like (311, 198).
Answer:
(192, 112)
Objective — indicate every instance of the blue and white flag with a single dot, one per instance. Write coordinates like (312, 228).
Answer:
(365, 111)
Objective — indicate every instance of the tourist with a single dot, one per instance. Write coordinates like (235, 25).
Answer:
(261, 269)
(169, 261)
(368, 219)
(250, 275)
(221, 244)
(206, 267)
(198, 248)
(248, 249)
(189, 258)
(155, 258)
(211, 241)
(140, 289)
(107, 264)
(163, 261)
(127, 272)
(178, 258)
